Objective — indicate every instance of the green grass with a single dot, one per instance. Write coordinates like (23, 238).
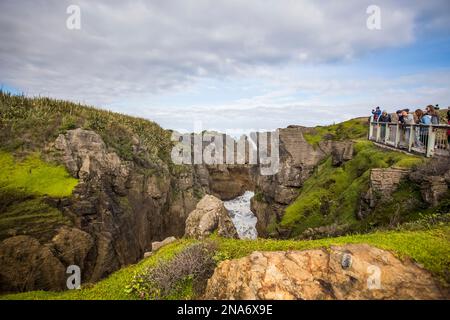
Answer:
(347, 130)
(24, 184)
(332, 194)
(34, 176)
(429, 247)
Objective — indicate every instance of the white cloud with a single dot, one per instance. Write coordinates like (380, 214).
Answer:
(139, 50)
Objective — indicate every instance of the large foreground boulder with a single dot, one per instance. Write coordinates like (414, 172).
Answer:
(210, 215)
(26, 265)
(348, 272)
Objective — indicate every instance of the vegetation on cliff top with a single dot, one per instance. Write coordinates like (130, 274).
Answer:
(428, 246)
(332, 194)
(28, 124)
(347, 130)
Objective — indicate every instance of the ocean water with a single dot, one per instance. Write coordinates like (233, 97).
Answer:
(243, 218)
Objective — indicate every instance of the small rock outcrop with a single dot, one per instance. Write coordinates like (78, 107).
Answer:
(347, 272)
(434, 189)
(159, 244)
(210, 215)
(382, 183)
(341, 152)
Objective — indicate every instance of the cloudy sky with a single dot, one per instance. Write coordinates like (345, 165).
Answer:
(230, 64)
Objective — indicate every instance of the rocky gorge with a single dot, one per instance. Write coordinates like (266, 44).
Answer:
(129, 200)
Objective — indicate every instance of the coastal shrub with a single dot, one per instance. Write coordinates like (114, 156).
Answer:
(185, 274)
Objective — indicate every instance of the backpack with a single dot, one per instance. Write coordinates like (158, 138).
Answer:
(435, 119)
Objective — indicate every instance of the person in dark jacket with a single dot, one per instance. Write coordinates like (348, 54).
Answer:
(399, 116)
(384, 119)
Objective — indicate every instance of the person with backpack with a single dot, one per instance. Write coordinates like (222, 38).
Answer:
(431, 111)
(376, 114)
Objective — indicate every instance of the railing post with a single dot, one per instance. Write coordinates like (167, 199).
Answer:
(411, 137)
(377, 138)
(370, 129)
(387, 133)
(397, 135)
(431, 140)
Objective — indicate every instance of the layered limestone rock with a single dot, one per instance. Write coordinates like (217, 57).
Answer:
(210, 215)
(347, 272)
(117, 210)
(384, 181)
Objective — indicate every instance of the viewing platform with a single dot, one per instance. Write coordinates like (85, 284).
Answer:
(427, 140)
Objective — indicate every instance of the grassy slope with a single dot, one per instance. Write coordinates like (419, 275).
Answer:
(34, 176)
(430, 248)
(331, 194)
(350, 129)
(24, 185)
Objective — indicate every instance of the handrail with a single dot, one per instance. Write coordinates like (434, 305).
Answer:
(426, 139)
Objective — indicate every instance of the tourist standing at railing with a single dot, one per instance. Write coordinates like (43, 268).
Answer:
(420, 131)
(433, 113)
(425, 120)
(408, 119)
(399, 116)
(376, 114)
(384, 119)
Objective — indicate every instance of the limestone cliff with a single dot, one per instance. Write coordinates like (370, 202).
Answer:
(118, 208)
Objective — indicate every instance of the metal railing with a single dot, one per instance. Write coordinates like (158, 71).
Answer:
(429, 140)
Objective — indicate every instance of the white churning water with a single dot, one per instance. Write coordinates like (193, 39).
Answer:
(243, 218)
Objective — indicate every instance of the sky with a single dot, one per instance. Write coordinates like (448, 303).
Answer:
(230, 65)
